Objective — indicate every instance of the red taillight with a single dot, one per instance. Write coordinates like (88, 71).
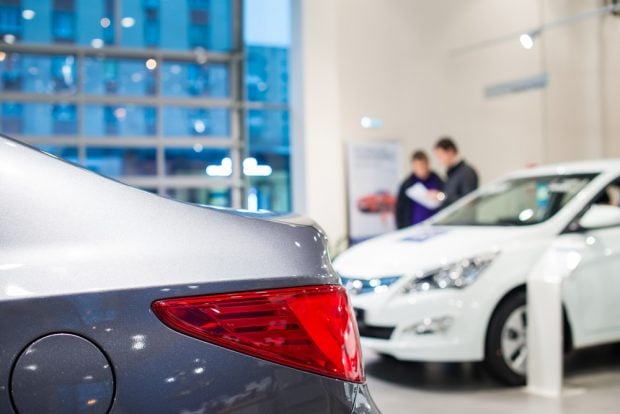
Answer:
(310, 328)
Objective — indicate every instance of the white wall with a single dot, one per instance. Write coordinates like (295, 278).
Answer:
(394, 60)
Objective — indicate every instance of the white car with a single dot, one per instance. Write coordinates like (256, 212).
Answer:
(453, 288)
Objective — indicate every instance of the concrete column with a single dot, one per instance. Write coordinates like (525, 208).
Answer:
(318, 173)
(574, 98)
(611, 84)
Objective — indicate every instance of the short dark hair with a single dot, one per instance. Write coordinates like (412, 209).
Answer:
(447, 144)
(419, 155)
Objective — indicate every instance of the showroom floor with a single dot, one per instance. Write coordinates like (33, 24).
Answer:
(592, 382)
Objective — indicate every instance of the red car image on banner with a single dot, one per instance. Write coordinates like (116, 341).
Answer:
(379, 202)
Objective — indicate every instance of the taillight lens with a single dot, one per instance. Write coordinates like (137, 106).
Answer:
(310, 328)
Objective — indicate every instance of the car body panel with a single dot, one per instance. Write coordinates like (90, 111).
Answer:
(594, 321)
(469, 308)
(159, 370)
(58, 219)
(422, 248)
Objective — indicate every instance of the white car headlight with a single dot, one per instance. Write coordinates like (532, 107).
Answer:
(456, 275)
(357, 286)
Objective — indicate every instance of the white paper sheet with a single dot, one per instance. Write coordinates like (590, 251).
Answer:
(419, 193)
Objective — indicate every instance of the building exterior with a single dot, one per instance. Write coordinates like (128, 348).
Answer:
(150, 92)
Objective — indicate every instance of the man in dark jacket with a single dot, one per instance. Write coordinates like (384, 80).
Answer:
(408, 211)
(462, 178)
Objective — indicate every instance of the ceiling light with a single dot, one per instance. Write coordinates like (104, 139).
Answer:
(28, 14)
(527, 41)
(251, 168)
(96, 43)
(150, 64)
(527, 38)
(199, 126)
(120, 113)
(128, 22)
(252, 199)
(222, 170)
(105, 22)
(9, 38)
(201, 55)
(368, 122)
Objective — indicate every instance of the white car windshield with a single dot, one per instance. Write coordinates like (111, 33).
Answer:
(516, 202)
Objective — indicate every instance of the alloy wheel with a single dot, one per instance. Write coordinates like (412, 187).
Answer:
(514, 340)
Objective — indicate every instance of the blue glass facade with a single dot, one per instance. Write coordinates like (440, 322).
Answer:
(268, 128)
(150, 92)
(166, 24)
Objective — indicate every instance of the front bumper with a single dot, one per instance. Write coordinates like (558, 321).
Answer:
(441, 326)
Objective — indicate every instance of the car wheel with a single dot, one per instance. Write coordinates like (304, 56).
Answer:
(506, 345)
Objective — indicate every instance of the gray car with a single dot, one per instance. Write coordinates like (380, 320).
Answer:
(116, 300)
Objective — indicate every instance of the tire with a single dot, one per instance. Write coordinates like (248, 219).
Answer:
(506, 342)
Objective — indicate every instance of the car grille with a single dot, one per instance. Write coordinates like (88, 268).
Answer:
(369, 331)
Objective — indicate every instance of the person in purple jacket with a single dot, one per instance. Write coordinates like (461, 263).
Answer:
(408, 211)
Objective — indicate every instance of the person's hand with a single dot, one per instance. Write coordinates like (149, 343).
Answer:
(436, 195)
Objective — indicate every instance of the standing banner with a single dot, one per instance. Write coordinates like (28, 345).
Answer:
(374, 173)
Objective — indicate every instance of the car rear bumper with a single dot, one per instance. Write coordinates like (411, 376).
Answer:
(364, 403)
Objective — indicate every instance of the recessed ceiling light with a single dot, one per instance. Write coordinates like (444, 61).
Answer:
(9, 38)
(96, 43)
(128, 22)
(28, 14)
(150, 64)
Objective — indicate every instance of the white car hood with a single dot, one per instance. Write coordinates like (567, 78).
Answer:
(423, 248)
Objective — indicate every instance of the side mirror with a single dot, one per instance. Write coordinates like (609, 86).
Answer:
(599, 216)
